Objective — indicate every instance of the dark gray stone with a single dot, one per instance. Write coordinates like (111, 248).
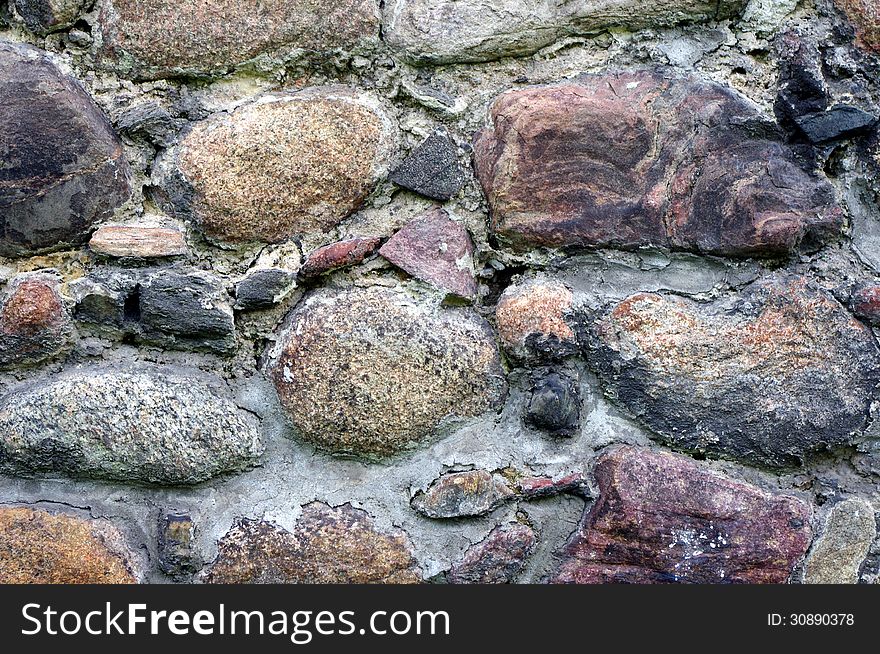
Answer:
(431, 169)
(151, 122)
(837, 123)
(44, 16)
(178, 555)
(262, 289)
(555, 405)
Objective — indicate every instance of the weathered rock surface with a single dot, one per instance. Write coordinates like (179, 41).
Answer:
(461, 495)
(38, 547)
(263, 288)
(34, 325)
(865, 303)
(351, 358)
(532, 318)
(835, 123)
(555, 405)
(431, 169)
(338, 255)
(838, 554)
(64, 168)
(328, 546)
(437, 250)
(769, 379)
(448, 31)
(153, 425)
(178, 555)
(44, 16)
(138, 242)
(865, 17)
(156, 38)
(640, 158)
(496, 560)
(663, 518)
(284, 165)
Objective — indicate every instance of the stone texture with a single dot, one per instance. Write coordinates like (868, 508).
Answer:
(178, 555)
(44, 16)
(437, 250)
(445, 31)
(663, 518)
(496, 560)
(34, 325)
(263, 288)
(461, 495)
(839, 122)
(631, 159)
(555, 405)
(158, 38)
(532, 318)
(38, 547)
(284, 165)
(781, 372)
(865, 17)
(838, 554)
(865, 303)
(158, 424)
(351, 358)
(529, 487)
(431, 169)
(338, 255)
(138, 242)
(328, 546)
(64, 168)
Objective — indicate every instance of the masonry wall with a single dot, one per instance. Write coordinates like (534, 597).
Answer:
(486, 291)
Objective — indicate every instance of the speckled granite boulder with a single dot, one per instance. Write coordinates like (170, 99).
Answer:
(157, 425)
(350, 359)
(533, 318)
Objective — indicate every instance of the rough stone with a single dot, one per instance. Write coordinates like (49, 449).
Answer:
(431, 169)
(38, 547)
(157, 425)
(555, 405)
(284, 165)
(264, 288)
(496, 560)
(663, 518)
(44, 16)
(865, 303)
(157, 38)
(178, 555)
(461, 495)
(450, 31)
(328, 546)
(97, 303)
(632, 159)
(34, 325)
(838, 554)
(138, 242)
(338, 255)
(782, 372)
(64, 168)
(529, 487)
(839, 122)
(351, 358)
(865, 17)
(437, 250)
(532, 318)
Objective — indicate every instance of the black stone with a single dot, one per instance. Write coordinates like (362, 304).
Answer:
(431, 169)
(151, 122)
(178, 556)
(185, 304)
(834, 124)
(261, 289)
(555, 406)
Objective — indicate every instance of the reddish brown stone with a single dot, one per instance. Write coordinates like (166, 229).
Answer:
(33, 322)
(328, 546)
(437, 250)
(462, 494)
(496, 560)
(138, 242)
(338, 255)
(530, 488)
(663, 518)
(37, 547)
(642, 158)
(865, 303)
(532, 316)
(865, 17)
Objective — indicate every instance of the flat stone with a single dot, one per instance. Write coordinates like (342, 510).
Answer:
(157, 425)
(555, 405)
(838, 554)
(644, 158)
(38, 547)
(532, 318)
(34, 325)
(664, 518)
(154, 38)
(64, 168)
(394, 356)
(865, 17)
(839, 122)
(461, 495)
(436, 249)
(450, 31)
(529, 487)
(328, 545)
(769, 377)
(284, 165)
(432, 169)
(496, 560)
(44, 16)
(263, 288)
(138, 242)
(178, 555)
(338, 255)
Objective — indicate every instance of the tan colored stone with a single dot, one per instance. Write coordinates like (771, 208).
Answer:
(838, 554)
(138, 242)
(536, 309)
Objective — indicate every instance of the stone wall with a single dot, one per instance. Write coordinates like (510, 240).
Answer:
(458, 291)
